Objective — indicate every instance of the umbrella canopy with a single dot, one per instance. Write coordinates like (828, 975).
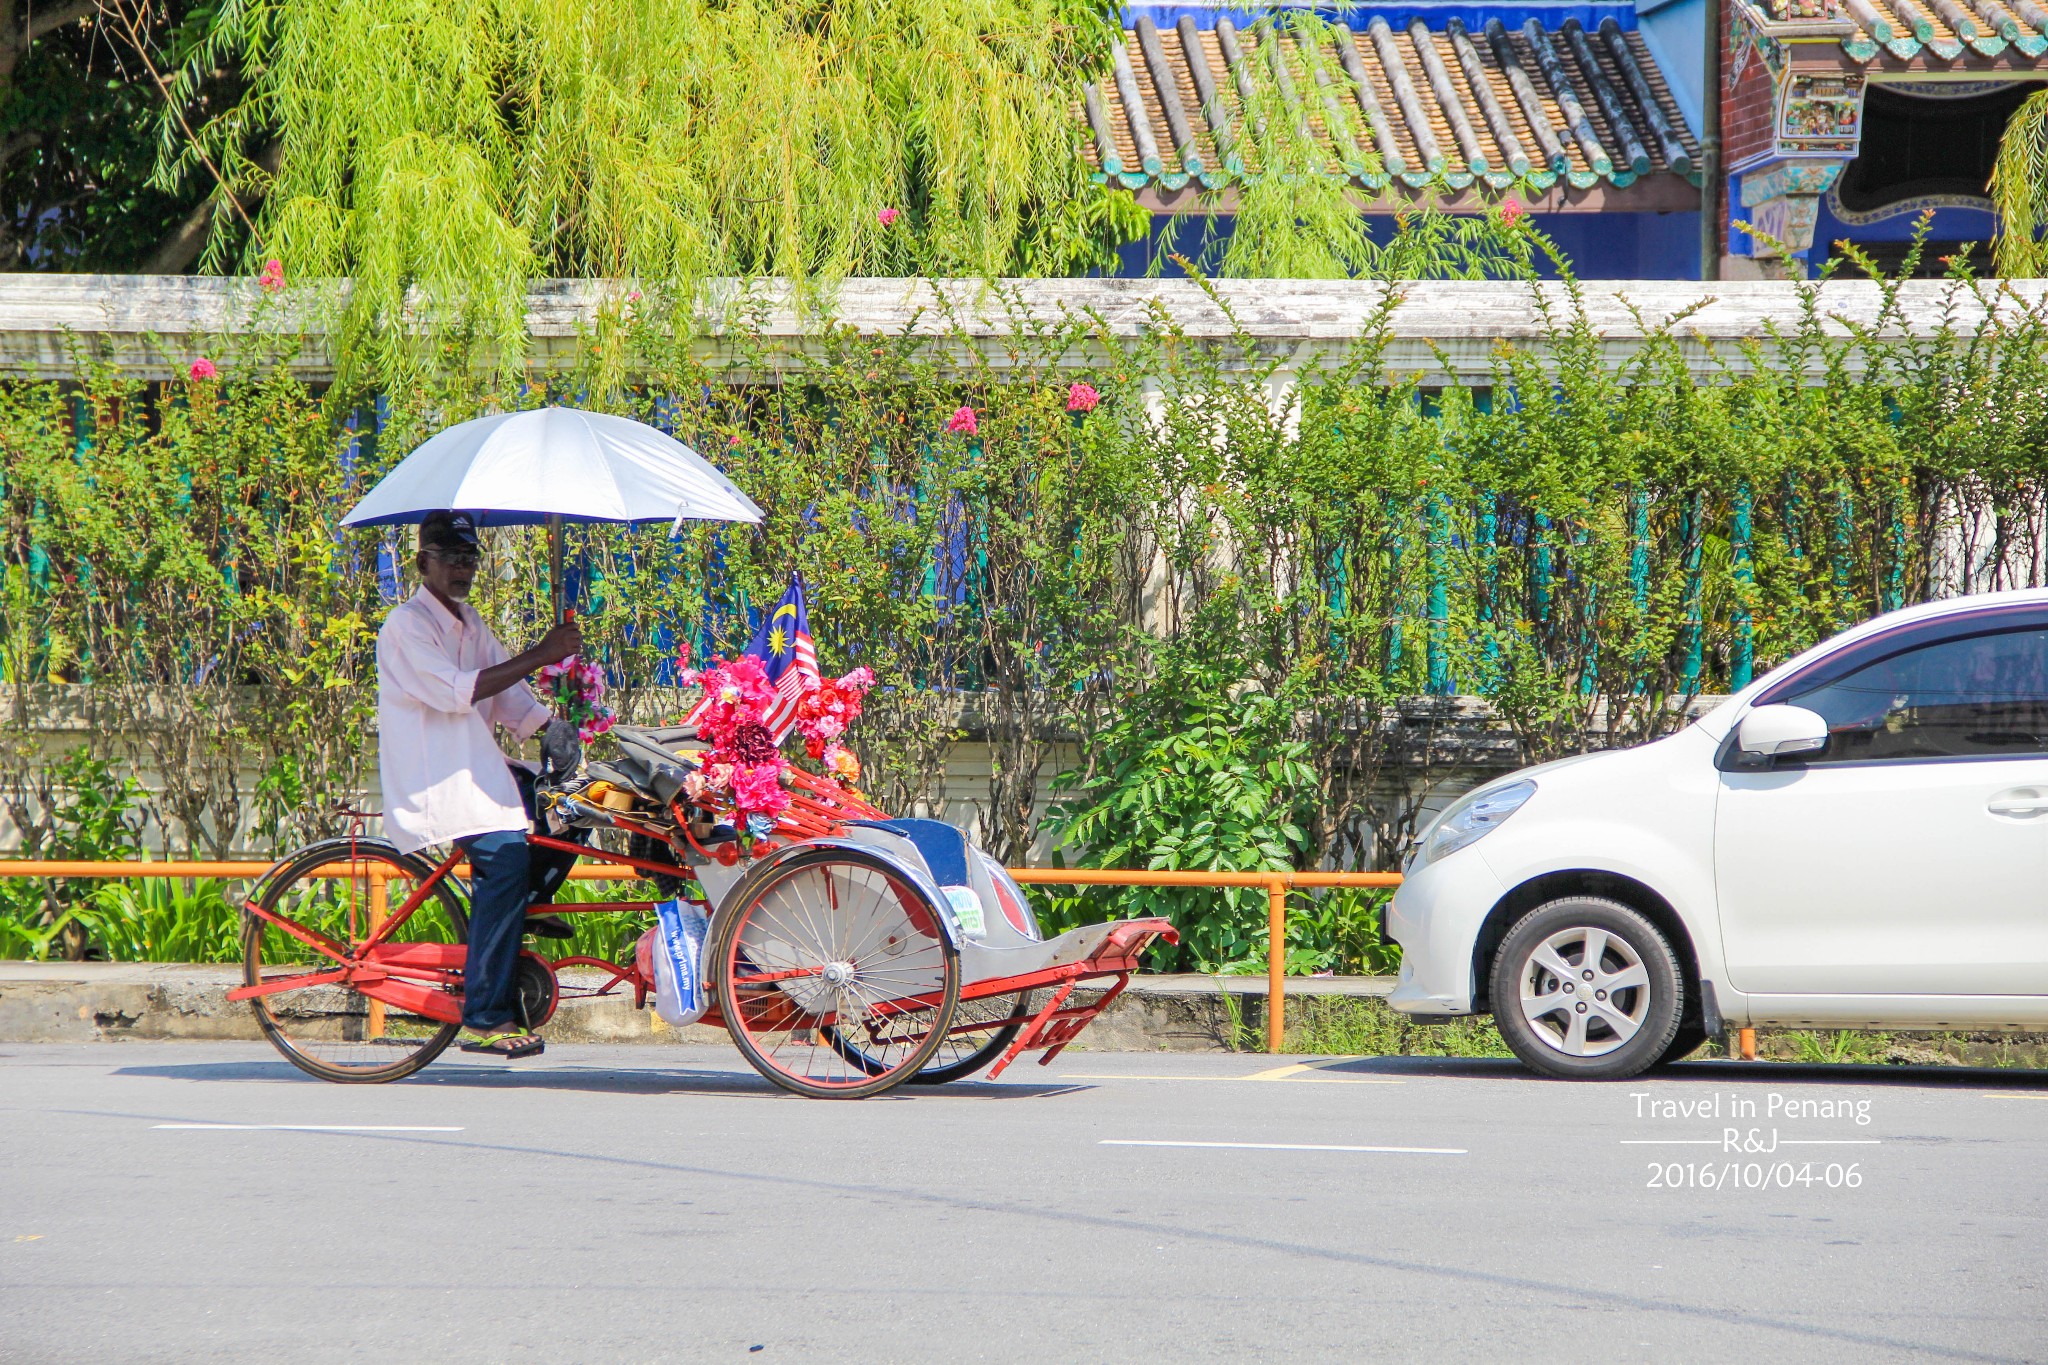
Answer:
(525, 468)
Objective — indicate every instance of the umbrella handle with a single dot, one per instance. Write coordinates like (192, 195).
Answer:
(560, 607)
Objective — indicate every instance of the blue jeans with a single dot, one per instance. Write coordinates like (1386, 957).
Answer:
(506, 874)
(500, 885)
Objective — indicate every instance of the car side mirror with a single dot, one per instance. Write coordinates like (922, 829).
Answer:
(1775, 731)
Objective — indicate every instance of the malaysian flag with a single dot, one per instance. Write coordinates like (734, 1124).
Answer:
(783, 645)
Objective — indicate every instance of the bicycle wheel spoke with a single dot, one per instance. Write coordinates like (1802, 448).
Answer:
(332, 1030)
(838, 916)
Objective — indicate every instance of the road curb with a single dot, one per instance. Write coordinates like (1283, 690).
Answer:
(86, 1002)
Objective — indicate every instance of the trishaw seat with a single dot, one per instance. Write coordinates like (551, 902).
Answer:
(666, 738)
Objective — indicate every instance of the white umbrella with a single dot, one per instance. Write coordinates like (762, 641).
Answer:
(551, 465)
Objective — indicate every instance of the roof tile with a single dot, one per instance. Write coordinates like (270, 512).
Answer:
(1441, 95)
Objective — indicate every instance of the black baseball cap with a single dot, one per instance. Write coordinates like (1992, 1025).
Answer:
(448, 531)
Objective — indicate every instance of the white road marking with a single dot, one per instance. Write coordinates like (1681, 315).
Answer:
(1278, 1073)
(1281, 1146)
(309, 1127)
(1671, 1142)
(1994, 1096)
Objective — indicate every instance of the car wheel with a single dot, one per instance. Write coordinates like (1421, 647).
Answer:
(1683, 1044)
(1587, 989)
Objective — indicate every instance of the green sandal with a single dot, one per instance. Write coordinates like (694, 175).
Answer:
(510, 1046)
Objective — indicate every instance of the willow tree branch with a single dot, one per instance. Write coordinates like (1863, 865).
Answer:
(180, 247)
(136, 39)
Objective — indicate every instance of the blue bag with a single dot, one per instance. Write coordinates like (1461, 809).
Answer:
(680, 992)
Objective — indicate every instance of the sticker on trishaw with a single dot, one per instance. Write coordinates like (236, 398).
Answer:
(848, 951)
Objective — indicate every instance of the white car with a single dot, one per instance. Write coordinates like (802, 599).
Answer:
(1857, 840)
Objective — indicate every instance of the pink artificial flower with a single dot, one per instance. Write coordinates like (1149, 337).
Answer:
(272, 277)
(748, 672)
(862, 677)
(1510, 210)
(963, 422)
(718, 776)
(1082, 397)
(203, 368)
(830, 727)
(887, 216)
(759, 788)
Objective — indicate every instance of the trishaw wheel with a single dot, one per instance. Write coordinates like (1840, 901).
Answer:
(334, 1031)
(980, 1030)
(828, 944)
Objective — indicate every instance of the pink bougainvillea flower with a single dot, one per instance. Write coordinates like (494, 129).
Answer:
(888, 216)
(1082, 397)
(203, 368)
(272, 277)
(1510, 210)
(963, 422)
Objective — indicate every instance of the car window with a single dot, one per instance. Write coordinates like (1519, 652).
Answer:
(1960, 698)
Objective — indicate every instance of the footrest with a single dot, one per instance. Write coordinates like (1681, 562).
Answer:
(1114, 950)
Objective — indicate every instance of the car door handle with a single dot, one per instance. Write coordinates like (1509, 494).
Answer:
(2019, 801)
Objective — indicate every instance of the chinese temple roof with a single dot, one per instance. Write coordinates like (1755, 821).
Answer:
(1907, 36)
(1472, 101)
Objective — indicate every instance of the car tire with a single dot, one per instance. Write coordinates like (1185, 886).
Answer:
(1585, 988)
(1683, 1044)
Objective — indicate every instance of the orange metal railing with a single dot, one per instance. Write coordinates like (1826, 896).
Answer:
(1275, 884)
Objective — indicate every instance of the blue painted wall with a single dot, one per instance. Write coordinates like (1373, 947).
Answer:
(1600, 246)
(1952, 223)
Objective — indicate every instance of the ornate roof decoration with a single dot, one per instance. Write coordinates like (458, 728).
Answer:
(1922, 34)
(1567, 108)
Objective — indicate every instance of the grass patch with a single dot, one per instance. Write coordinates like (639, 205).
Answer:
(1868, 1048)
(1364, 1026)
(1356, 1026)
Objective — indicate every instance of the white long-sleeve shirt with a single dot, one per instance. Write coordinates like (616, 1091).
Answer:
(444, 776)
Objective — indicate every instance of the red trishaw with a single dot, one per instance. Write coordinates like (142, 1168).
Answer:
(848, 952)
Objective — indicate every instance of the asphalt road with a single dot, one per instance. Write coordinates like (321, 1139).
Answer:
(645, 1203)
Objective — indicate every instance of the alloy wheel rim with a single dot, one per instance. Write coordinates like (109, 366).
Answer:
(1585, 991)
